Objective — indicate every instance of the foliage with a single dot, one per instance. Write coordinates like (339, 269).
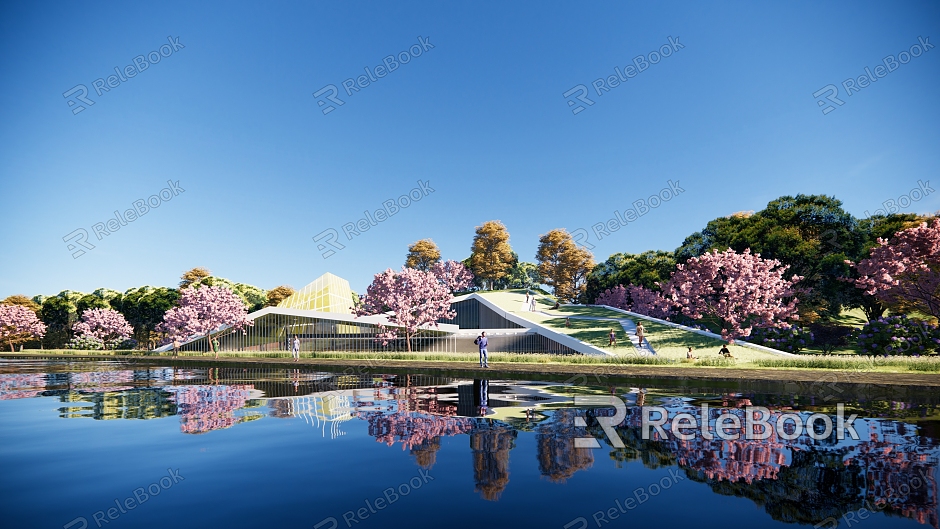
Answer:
(790, 338)
(452, 274)
(86, 343)
(897, 335)
(144, 307)
(564, 265)
(416, 299)
(523, 275)
(422, 255)
(491, 256)
(647, 269)
(193, 276)
(58, 313)
(637, 299)
(278, 294)
(811, 234)
(19, 324)
(905, 271)
(90, 301)
(740, 290)
(205, 311)
(18, 299)
(104, 325)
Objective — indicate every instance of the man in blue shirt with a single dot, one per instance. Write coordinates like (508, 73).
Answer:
(482, 342)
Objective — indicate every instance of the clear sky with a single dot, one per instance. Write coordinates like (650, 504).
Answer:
(481, 117)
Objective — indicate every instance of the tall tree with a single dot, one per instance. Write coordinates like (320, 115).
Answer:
(422, 255)
(205, 311)
(905, 271)
(564, 265)
(58, 313)
(278, 294)
(738, 291)
(491, 256)
(194, 276)
(811, 234)
(417, 300)
(19, 299)
(647, 269)
(144, 307)
(19, 324)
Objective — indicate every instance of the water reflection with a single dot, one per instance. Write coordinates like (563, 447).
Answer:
(894, 463)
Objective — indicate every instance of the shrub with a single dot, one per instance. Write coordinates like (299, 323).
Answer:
(791, 338)
(86, 343)
(897, 335)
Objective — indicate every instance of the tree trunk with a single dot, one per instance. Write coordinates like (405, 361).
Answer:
(408, 341)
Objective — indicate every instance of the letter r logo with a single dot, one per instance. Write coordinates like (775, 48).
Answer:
(582, 92)
(607, 423)
(80, 237)
(833, 92)
(81, 97)
(331, 96)
(330, 236)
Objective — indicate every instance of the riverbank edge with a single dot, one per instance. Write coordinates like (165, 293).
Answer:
(587, 372)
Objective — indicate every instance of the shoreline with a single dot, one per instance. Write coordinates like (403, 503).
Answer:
(587, 371)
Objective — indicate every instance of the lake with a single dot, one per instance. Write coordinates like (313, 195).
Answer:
(120, 443)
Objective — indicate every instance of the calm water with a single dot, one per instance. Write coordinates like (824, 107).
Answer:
(230, 447)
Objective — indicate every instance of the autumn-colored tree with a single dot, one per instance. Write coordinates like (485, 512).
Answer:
(194, 276)
(737, 290)
(491, 256)
(422, 255)
(21, 300)
(19, 324)
(564, 265)
(905, 271)
(279, 294)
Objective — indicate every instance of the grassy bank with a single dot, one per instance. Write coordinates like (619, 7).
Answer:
(857, 364)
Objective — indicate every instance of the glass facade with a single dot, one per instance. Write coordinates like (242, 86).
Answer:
(327, 293)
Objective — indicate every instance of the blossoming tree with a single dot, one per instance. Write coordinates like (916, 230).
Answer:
(905, 271)
(740, 290)
(103, 325)
(205, 311)
(415, 300)
(19, 324)
(636, 298)
(453, 274)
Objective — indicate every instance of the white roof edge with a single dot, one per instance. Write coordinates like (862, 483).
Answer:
(698, 331)
(561, 338)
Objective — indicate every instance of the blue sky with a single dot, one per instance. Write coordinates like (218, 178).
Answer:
(481, 117)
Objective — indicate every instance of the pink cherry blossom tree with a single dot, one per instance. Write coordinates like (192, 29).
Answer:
(905, 270)
(19, 324)
(205, 311)
(453, 274)
(104, 325)
(412, 299)
(636, 298)
(740, 290)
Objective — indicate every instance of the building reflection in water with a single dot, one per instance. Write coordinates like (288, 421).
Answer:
(801, 480)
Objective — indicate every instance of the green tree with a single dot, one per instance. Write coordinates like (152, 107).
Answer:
(59, 314)
(144, 307)
(644, 269)
(491, 256)
(422, 255)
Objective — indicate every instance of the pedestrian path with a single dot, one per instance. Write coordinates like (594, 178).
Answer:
(629, 328)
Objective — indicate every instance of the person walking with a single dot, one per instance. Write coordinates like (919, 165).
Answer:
(176, 347)
(296, 350)
(612, 337)
(482, 342)
(640, 333)
(532, 303)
